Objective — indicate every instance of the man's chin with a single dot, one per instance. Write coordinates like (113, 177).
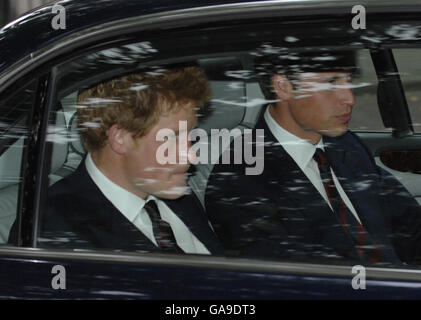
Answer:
(173, 193)
(335, 132)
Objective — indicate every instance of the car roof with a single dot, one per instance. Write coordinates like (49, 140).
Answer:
(33, 31)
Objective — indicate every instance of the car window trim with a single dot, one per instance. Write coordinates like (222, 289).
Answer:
(183, 18)
(213, 262)
(33, 163)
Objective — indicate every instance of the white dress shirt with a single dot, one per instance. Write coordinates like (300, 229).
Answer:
(132, 207)
(302, 152)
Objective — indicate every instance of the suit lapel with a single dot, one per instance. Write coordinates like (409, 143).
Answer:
(358, 177)
(109, 227)
(303, 199)
(352, 167)
(286, 173)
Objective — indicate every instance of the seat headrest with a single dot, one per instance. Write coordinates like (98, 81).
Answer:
(227, 107)
(10, 164)
(76, 144)
(10, 160)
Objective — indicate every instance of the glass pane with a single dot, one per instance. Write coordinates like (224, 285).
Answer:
(277, 94)
(14, 108)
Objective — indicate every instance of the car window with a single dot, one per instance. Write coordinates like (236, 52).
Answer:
(269, 201)
(15, 106)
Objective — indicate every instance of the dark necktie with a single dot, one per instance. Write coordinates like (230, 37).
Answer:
(365, 246)
(162, 231)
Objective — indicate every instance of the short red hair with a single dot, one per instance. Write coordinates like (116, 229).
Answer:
(135, 102)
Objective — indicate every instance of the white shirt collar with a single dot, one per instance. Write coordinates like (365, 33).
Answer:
(126, 202)
(299, 149)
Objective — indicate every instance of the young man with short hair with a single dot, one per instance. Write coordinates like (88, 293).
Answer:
(321, 195)
(122, 197)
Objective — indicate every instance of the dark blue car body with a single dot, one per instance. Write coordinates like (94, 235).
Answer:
(30, 46)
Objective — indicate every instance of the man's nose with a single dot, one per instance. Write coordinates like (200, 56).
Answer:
(191, 154)
(346, 96)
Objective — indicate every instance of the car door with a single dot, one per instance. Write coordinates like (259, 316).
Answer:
(51, 150)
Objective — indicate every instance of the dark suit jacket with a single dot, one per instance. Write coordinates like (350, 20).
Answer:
(280, 214)
(78, 215)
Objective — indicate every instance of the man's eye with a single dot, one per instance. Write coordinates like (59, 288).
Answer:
(341, 80)
(334, 81)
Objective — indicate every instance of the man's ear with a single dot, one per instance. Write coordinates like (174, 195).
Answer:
(117, 138)
(282, 86)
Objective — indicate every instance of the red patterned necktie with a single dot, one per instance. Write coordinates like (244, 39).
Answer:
(162, 231)
(366, 247)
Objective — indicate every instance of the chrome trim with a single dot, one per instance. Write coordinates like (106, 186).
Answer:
(212, 262)
(185, 17)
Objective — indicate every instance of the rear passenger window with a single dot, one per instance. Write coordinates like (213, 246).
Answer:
(15, 107)
(121, 113)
